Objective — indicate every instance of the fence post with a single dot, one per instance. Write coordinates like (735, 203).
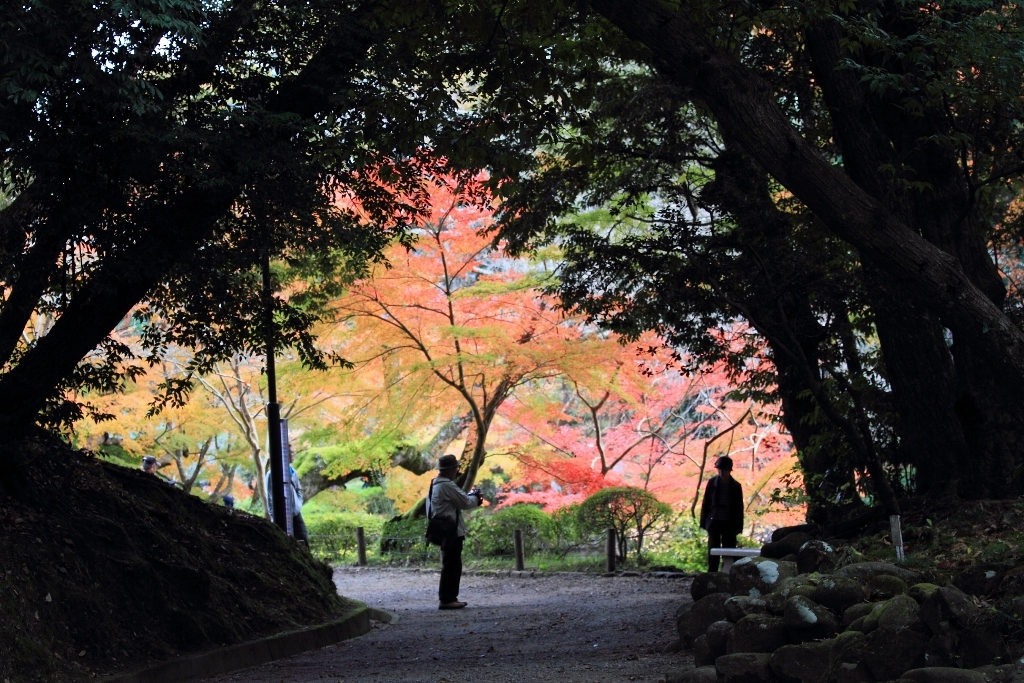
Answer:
(897, 537)
(518, 538)
(361, 546)
(610, 550)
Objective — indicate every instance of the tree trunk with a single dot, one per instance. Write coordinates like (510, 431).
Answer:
(920, 372)
(745, 108)
(102, 303)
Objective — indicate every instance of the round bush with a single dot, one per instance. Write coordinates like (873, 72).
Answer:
(493, 534)
(632, 512)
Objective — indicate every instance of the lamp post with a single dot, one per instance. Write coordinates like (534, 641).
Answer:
(277, 472)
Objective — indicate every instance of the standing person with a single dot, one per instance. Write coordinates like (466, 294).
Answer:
(292, 490)
(721, 513)
(149, 464)
(447, 500)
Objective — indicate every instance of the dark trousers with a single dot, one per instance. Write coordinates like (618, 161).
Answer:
(451, 569)
(719, 536)
(299, 529)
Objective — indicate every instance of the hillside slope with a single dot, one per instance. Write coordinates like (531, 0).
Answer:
(103, 569)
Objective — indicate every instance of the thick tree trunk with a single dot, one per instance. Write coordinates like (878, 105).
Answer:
(960, 423)
(745, 108)
(776, 301)
(104, 301)
(922, 379)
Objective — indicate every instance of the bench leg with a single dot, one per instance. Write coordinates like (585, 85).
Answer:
(727, 564)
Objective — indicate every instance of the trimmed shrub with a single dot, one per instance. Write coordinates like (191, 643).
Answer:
(332, 535)
(563, 532)
(491, 535)
(401, 535)
(632, 512)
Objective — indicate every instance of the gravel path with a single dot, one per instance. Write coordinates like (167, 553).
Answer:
(566, 628)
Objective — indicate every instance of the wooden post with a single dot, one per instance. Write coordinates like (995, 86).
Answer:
(361, 545)
(897, 537)
(518, 538)
(610, 550)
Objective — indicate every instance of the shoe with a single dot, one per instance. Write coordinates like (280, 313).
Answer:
(452, 605)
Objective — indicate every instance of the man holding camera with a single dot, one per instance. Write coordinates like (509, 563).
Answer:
(447, 500)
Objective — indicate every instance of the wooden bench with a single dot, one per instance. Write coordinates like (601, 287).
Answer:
(729, 555)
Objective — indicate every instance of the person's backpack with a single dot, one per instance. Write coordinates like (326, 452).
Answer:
(439, 529)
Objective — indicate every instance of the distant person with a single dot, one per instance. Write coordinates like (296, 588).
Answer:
(292, 490)
(721, 513)
(229, 502)
(149, 464)
(447, 500)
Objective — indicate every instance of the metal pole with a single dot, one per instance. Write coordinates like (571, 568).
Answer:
(518, 543)
(610, 550)
(361, 546)
(273, 407)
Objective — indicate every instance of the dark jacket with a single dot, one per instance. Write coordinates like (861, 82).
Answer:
(735, 504)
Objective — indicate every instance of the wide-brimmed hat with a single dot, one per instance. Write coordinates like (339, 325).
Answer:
(447, 462)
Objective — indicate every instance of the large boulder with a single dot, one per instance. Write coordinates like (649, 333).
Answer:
(858, 611)
(718, 638)
(845, 654)
(707, 583)
(865, 571)
(789, 545)
(885, 586)
(802, 584)
(758, 633)
(704, 674)
(945, 674)
(683, 624)
(980, 646)
(804, 663)
(889, 652)
(838, 592)
(816, 556)
(782, 532)
(806, 620)
(745, 667)
(742, 605)
(851, 672)
(776, 603)
(948, 608)
(981, 580)
(1003, 673)
(847, 647)
(758, 576)
(898, 613)
(922, 591)
(704, 612)
(701, 652)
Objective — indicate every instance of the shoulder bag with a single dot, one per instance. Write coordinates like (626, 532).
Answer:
(439, 529)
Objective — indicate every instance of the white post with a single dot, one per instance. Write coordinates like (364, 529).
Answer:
(897, 537)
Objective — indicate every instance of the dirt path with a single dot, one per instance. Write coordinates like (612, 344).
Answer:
(571, 629)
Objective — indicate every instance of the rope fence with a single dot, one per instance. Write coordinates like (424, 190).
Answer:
(357, 546)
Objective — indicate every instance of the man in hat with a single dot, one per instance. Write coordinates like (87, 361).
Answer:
(447, 500)
(721, 513)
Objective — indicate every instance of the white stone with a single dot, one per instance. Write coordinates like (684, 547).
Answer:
(769, 571)
(806, 614)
